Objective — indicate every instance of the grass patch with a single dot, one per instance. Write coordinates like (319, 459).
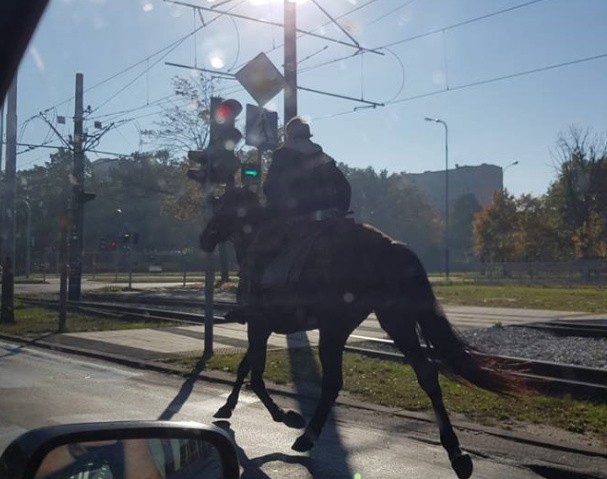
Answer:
(576, 298)
(394, 384)
(34, 321)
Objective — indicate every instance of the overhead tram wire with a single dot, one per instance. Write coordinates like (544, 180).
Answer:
(422, 35)
(139, 62)
(478, 83)
(387, 14)
(461, 24)
(339, 17)
(503, 77)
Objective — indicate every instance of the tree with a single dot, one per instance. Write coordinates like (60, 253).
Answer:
(185, 127)
(494, 229)
(462, 215)
(579, 195)
(537, 237)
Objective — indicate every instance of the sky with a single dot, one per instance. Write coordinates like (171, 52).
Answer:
(463, 61)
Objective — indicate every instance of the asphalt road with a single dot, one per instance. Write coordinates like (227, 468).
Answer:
(40, 388)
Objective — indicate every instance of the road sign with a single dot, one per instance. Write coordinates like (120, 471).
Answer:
(261, 129)
(261, 79)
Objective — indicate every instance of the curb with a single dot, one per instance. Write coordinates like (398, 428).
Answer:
(228, 379)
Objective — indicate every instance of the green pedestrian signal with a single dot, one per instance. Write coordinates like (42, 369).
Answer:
(250, 173)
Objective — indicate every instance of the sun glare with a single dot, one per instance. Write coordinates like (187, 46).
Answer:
(216, 61)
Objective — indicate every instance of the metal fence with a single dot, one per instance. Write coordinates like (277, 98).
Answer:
(122, 261)
(565, 272)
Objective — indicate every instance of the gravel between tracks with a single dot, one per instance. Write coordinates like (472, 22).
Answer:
(539, 345)
(529, 343)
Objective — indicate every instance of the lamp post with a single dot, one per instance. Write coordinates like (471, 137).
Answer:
(436, 120)
(504, 171)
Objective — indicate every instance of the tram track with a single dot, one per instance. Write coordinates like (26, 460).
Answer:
(549, 377)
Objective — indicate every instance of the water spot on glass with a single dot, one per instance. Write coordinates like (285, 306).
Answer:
(37, 57)
(241, 212)
(247, 229)
(348, 297)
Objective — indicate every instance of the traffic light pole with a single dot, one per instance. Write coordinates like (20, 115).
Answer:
(290, 60)
(209, 281)
(76, 240)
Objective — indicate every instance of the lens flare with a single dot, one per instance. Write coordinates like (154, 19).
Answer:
(216, 61)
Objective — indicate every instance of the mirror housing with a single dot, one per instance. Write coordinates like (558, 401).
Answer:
(22, 458)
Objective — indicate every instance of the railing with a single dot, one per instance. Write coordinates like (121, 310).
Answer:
(567, 272)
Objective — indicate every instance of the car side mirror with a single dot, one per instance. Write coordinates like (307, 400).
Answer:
(130, 450)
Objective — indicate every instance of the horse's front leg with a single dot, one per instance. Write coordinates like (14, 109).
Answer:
(258, 343)
(225, 411)
(330, 351)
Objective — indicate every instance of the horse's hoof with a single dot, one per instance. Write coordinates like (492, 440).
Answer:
(224, 412)
(302, 444)
(294, 420)
(279, 415)
(462, 465)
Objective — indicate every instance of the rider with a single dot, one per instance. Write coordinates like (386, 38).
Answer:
(304, 180)
(303, 183)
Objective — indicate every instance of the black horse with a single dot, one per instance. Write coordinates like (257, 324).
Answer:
(350, 271)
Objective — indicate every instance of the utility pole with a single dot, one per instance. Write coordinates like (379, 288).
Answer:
(290, 60)
(7, 313)
(77, 226)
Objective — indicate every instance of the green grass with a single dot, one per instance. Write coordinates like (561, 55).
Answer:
(590, 299)
(394, 384)
(33, 321)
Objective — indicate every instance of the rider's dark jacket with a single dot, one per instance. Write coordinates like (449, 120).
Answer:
(300, 183)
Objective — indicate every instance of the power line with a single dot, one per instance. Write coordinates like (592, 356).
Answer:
(504, 77)
(474, 84)
(387, 14)
(460, 24)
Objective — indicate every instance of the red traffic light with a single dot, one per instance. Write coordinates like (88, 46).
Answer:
(113, 244)
(227, 111)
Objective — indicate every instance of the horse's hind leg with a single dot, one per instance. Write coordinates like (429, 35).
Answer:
(225, 411)
(258, 343)
(405, 339)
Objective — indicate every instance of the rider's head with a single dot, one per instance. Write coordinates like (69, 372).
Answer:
(298, 138)
(297, 128)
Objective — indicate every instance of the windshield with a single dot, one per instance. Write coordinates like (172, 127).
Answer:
(173, 170)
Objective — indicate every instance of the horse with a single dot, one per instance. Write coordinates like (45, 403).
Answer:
(350, 271)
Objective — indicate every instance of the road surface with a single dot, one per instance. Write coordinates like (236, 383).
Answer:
(42, 388)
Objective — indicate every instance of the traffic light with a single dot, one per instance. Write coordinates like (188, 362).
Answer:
(250, 173)
(218, 163)
(113, 244)
(102, 244)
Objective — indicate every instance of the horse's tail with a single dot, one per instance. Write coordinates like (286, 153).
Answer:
(457, 359)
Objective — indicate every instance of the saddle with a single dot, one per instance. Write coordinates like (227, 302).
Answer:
(282, 248)
(284, 271)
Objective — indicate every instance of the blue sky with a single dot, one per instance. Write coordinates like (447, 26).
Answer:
(499, 122)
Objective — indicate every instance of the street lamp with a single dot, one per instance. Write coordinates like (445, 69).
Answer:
(504, 171)
(436, 120)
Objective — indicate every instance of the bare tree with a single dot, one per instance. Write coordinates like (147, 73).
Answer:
(185, 126)
(579, 195)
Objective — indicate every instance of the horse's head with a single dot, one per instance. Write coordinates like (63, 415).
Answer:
(234, 213)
